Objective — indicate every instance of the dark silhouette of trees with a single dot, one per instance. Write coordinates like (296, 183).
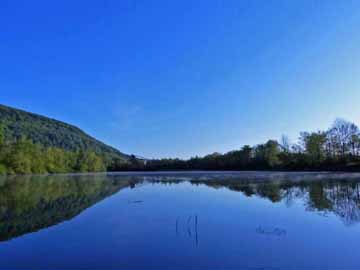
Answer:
(338, 148)
(343, 138)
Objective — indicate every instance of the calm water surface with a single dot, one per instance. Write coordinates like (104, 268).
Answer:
(180, 221)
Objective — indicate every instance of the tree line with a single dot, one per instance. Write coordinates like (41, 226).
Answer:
(25, 157)
(337, 148)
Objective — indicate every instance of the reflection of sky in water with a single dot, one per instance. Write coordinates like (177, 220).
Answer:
(208, 224)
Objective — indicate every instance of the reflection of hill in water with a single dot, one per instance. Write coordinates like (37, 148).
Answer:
(28, 204)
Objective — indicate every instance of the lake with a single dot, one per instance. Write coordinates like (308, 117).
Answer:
(180, 220)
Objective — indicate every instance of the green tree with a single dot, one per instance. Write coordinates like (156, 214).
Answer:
(38, 162)
(2, 151)
(90, 162)
(56, 160)
(315, 145)
(268, 154)
(19, 157)
(94, 162)
(2, 135)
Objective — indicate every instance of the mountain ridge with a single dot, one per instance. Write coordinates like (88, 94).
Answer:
(50, 132)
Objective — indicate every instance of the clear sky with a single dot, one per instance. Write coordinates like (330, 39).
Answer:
(179, 78)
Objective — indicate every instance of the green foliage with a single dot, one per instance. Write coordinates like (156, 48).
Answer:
(2, 151)
(2, 169)
(51, 133)
(89, 162)
(19, 158)
(57, 160)
(55, 147)
(314, 145)
(25, 157)
(2, 138)
(268, 153)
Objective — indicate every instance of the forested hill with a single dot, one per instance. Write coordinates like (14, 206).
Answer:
(51, 133)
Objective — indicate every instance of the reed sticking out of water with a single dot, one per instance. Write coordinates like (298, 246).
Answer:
(177, 225)
(190, 227)
(196, 230)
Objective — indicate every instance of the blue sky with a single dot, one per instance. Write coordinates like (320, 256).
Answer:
(180, 78)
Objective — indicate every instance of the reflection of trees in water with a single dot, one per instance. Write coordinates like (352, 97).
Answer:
(31, 203)
(345, 201)
(339, 197)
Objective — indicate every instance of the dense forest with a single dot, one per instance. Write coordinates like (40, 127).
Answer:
(30, 143)
(25, 157)
(50, 133)
(337, 148)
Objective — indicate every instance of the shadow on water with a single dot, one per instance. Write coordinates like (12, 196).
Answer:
(31, 203)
